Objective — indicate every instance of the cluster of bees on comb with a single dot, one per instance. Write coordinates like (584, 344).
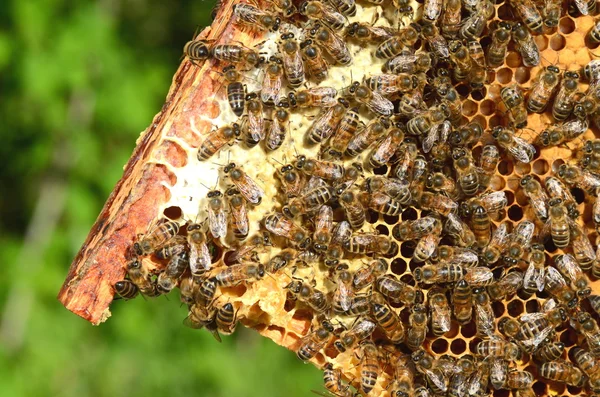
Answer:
(354, 112)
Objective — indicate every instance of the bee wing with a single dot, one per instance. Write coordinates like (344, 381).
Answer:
(437, 378)
(485, 317)
(322, 123)
(465, 256)
(217, 222)
(590, 181)
(249, 189)
(582, 6)
(365, 327)
(324, 218)
(534, 342)
(270, 89)
(500, 235)
(440, 46)
(522, 150)
(478, 276)
(535, 276)
(431, 137)
(494, 201)
(498, 371)
(569, 267)
(583, 244)
(524, 232)
(445, 130)
(199, 258)
(554, 277)
(531, 317)
(381, 105)
(342, 232)
(442, 317)
(344, 295)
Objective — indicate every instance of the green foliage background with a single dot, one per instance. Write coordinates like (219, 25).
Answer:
(78, 82)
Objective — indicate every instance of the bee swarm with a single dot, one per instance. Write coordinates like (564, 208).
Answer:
(416, 218)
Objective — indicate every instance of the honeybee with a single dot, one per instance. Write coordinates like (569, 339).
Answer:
(514, 102)
(534, 278)
(343, 294)
(406, 154)
(473, 26)
(518, 241)
(558, 134)
(355, 212)
(369, 365)
(395, 290)
(330, 171)
(286, 258)
(308, 202)
(435, 376)
(159, 235)
(312, 343)
(238, 214)
(458, 385)
(279, 225)
(188, 289)
(534, 328)
(126, 289)
(543, 88)
(323, 12)
(385, 150)
(438, 274)
(373, 100)
(432, 9)
(199, 255)
(201, 316)
(582, 248)
(393, 46)
(537, 196)
(368, 33)
(490, 157)
(460, 231)
(439, 311)
(557, 189)
(323, 228)
(361, 330)
(437, 43)
(236, 53)
(585, 7)
(333, 44)
(484, 315)
(346, 7)
(564, 101)
(438, 202)
(497, 244)
(528, 14)
(520, 149)
(568, 266)
(217, 218)
(594, 33)
(309, 295)
(292, 181)
(594, 302)
(372, 133)
(559, 223)
(367, 274)
(468, 177)
(391, 84)
(252, 124)
(384, 204)
(590, 70)
(226, 319)
(272, 81)
(417, 332)
(479, 276)
(462, 306)
(316, 65)
(293, 67)
(240, 273)
(313, 97)
(549, 351)
(556, 285)
(459, 55)
(551, 12)
(347, 128)
(276, 130)
(509, 327)
(589, 365)
(562, 371)
(519, 380)
(497, 49)
(332, 378)
(417, 185)
(335, 250)
(423, 123)
(351, 175)
(451, 18)
(572, 175)
(167, 280)
(207, 291)
(216, 139)
(408, 63)
(426, 246)
(530, 53)
(197, 51)
(499, 348)
(245, 185)
(402, 383)
(236, 91)
(416, 229)
(173, 247)
(368, 243)
(589, 328)
(255, 17)
(392, 187)
(440, 183)
(505, 287)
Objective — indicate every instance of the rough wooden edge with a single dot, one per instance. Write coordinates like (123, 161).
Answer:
(135, 200)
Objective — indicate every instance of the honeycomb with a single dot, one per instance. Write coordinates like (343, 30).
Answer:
(164, 179)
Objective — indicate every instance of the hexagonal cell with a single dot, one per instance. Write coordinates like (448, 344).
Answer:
(439, 346)
(505, 167)
(566, 25)
(487, 107)
(481, 120)
(479, 94)
(541, 41)
(522, 75)
(458, 346)
(382, 229)
(469, 108)
(495, 121)
(540, 167)
(497, 183)
(504, 75)
(557, 42)
(556, 165)
(522, 168)
(513, 59)
(398, 266)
